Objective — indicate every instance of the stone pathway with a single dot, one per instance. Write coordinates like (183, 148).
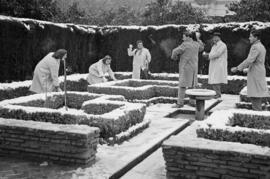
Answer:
(153, 167)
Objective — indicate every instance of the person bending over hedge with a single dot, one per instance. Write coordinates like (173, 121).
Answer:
(97, 71)
(46, 72)
(256, 74)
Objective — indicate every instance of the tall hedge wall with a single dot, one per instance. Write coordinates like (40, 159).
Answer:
(25, 41)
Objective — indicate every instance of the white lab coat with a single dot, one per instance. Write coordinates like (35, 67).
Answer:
(141, 60)
(218, 64)
(46, 75)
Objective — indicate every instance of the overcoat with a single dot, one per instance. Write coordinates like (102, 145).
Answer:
(46, 74)
(218, 72)
(97, 71)
(256, 77)
(187, 54)
(141, 60)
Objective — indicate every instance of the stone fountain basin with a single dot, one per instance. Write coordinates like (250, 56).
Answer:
(200, 93)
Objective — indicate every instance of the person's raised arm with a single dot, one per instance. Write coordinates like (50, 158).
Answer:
(130, 51)
(178, 51)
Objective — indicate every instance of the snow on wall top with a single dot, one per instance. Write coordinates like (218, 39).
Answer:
(235, 26)
(26, 23)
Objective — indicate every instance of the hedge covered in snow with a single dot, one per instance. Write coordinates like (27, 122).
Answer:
(242, 126)
(77, 82)
(133, 89)
(111, 114)
(244, 98)
(26, 41)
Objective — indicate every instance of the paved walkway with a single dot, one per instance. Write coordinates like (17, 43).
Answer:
(153, 167)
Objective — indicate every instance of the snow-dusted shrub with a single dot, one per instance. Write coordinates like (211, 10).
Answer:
(250, 120)
(242, 126)
(103, 111)
(133, 89)
(244, 98)
(77, 82)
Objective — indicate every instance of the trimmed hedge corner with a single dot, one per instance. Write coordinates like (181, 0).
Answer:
(242, 126)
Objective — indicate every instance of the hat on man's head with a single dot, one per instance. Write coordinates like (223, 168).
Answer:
(216, 34)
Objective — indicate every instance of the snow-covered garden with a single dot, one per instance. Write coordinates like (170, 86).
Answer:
(104, 130)
(132, 118)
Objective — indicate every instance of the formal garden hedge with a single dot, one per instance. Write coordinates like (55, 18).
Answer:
(228, 144)
(242, 126)
(77, 82)
(26, 41)
(111, 114)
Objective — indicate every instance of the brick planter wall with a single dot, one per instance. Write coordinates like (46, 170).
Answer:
(185, 162)
(215, 149)
(69, 144)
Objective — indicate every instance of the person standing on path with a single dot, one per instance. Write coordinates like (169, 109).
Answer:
(218, 73)
(187, 55)
(46, 73)
(256, 73)
(141, 60)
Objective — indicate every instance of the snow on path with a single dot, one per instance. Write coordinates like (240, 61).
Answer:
(109, 159)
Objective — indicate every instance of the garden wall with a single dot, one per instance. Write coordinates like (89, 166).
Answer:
(25, 41)
(70, 144)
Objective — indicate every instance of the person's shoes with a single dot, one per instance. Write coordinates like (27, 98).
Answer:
(178, 106)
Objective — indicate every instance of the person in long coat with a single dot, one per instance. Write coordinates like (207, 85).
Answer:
(187, 54)
(256, 74)
(218, 72)
(141, 60)
(46, 72)
(98, 70)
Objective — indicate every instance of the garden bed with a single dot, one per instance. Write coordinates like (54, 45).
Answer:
(226, 145)
(110, 113)
(133, 89)
(242, 126)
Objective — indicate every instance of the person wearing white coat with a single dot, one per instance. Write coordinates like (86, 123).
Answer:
(141, 60)
(46, 72)
(98, 70)
(218, 73)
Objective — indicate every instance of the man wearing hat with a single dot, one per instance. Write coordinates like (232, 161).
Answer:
(218, 55)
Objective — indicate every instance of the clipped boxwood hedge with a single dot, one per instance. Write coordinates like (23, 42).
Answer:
(244, 98)
(133, 89)
(77, 82)
(242, 126)
(250, 120)
(112, 114)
